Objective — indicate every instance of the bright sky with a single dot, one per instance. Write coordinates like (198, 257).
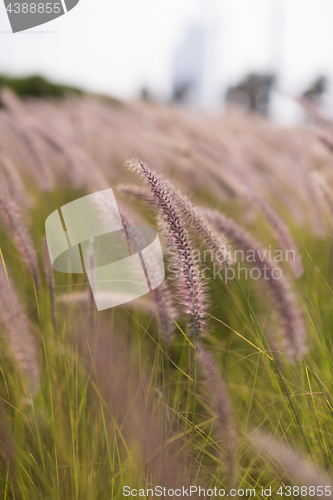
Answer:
(117, 46)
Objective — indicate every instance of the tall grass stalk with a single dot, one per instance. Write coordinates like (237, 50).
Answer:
(190, 286)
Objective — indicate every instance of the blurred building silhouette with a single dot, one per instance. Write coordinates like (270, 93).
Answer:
(190, 66)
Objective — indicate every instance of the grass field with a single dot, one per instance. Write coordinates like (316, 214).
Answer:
(219, 379)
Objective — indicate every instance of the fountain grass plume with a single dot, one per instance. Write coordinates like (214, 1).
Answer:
(327, 142)
(191, 216)
(291, 317)
(281, 232)
(189, 285)
(139, 192)
(248, 191)
(18, 334)
(16, 190)
(295, 467)
(200, 225)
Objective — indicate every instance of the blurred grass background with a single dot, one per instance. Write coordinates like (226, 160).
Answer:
(114, 406)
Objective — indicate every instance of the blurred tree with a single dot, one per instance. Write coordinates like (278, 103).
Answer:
(252, 92)
(36, 86)
(182, 94)
(146, 95)
(316, 89)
